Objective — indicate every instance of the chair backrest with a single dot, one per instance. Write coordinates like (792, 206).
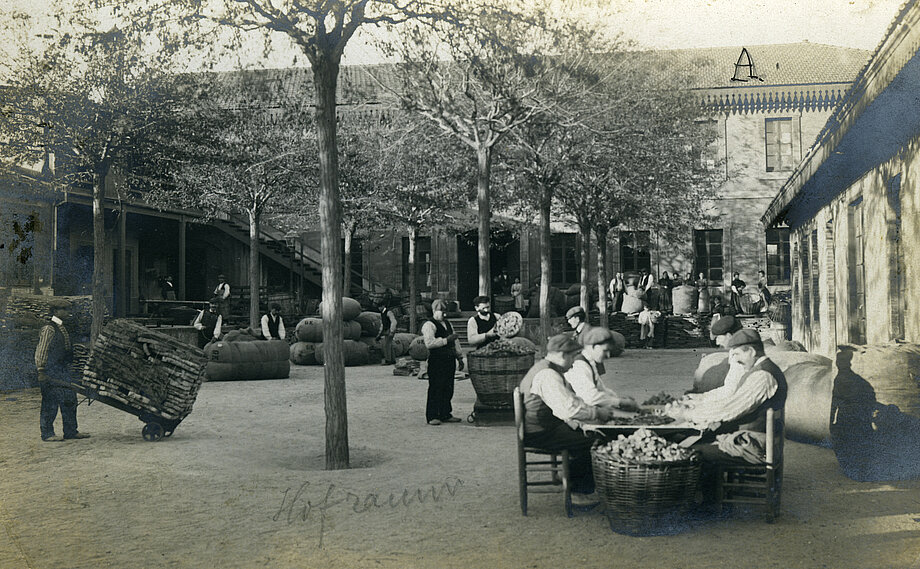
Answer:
(518, 399)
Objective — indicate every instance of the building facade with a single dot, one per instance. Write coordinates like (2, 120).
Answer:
(853, 203)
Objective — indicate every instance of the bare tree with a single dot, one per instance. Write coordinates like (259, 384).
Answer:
(77, 101)
(479, 76)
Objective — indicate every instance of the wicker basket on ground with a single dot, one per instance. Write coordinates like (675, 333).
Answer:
(495, 376)
(646, 499)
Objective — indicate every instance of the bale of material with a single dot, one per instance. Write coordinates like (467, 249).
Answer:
(417, 349)
(238, 336)
(303, 353)
(310, 330)
(875, 412)
(631, 304)
(351, 330)
(810, 380)
(618, 344)
(145, 369)
(370, 323)
(351, 308)
(684, 299)
(354, 353)
(401, 343)
(248, 360)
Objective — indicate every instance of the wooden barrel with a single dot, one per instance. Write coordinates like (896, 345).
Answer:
(875, 411)
(683, 299)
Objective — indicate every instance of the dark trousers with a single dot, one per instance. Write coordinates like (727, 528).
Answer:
(388, 349)
(440, 388)
(578, 443)
(54, 397)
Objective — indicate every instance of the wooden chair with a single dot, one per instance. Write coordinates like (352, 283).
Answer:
(757, 484)
(556, 464)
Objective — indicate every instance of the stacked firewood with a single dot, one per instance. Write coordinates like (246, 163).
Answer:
(34, 310)
(687, 332)
(145, 369)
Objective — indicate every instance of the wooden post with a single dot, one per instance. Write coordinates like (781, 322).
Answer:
(180, 294)
(121, 308)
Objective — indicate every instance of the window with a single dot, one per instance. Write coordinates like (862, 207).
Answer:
(422, 263)
(708, 155)
(778, 265)
(779, 145)
(815, 279)
(634, 251)
(804, 261)
(857, 277)
(707, 245)
(564, 255)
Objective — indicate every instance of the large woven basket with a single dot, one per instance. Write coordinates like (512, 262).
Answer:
(494, 377)
(646, 499)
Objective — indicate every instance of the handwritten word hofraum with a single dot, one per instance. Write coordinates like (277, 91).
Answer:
(296, 506)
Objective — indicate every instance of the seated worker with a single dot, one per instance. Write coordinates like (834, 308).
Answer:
(553, 414)
(480, 327)
(738, 409)
(585, 374)
(273, 324)
(578, 320)
(208, 323)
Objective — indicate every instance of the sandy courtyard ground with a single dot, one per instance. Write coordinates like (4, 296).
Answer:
(241, 484)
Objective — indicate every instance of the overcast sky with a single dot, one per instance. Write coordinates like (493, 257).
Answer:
(703, 23)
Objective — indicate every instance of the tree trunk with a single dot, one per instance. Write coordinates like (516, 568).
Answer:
(254, 270)
(413, 277)
(325, 77)
(98, 303)
(546, 265)
(483, 198)
(585, 258)
(601, 235)
(346, 261)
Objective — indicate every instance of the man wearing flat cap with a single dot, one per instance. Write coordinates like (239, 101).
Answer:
(585, 374)
(53, 356)
(739, 410)
(578, 320)
(554, 414)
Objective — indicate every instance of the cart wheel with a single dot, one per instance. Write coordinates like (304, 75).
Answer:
(152, 432)
(471, 418)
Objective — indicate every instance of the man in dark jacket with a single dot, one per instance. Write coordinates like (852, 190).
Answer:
(53, 356)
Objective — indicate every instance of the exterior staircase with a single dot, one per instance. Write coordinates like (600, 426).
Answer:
(303, 259)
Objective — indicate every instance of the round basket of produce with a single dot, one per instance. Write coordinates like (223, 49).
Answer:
(647, 483)
(496, 369)
(509, 324)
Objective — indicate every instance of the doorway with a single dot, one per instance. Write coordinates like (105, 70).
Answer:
(504, 253)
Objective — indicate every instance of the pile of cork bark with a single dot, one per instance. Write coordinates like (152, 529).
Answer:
(145, 369)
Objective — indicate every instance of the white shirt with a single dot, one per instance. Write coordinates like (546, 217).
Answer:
(581, 376)
(729, 402)
(558, 395)
(199, 326)
(431, 341)
(222, 290)
(265, 331)
(472, 331)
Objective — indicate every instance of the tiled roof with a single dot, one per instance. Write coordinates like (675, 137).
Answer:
(800, 63)
(709, 68)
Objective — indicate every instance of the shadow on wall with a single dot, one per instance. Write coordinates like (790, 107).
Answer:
(875, 412)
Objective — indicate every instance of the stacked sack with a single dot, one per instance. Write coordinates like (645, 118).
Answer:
(308, 349)
(243, 354)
